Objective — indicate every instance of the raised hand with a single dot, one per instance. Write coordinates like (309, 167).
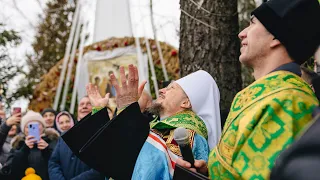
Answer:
(129, 92)
(14, 119)
(95, 97)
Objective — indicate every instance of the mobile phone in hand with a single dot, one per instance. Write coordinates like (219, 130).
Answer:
(16, 110)
(33, 129)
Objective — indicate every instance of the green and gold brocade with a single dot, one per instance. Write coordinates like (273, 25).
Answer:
(264, 119)
(187, 119)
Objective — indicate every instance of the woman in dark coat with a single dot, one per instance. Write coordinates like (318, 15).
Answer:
(8, 129)
(26, 152)
(63, 164)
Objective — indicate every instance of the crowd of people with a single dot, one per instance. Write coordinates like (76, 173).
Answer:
(268, 134)
(50, 157)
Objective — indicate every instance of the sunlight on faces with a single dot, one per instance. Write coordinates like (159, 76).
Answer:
(255, 43)
(171, 100)
(84, 108)
(64, 122)
(26, 130)
(49, 119)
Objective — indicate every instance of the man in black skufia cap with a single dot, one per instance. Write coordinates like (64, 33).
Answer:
(267, 116)
(294, 24)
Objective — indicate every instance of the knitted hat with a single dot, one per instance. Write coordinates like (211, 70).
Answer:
(295, 23)
(49, 110)
(31, 116)
(31, 175)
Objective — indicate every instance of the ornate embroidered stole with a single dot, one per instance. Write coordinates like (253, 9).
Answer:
(187, 119)
(167, 136)
(264, 119)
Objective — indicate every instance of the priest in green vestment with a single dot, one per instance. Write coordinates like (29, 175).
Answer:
(267, 116)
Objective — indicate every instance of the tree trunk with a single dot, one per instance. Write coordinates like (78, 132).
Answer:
(214, 49)
(245, 7)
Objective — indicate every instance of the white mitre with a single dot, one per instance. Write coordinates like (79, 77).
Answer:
(204, 96)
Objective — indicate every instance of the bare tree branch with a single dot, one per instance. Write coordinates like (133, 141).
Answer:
(40, 5)
(22, 14)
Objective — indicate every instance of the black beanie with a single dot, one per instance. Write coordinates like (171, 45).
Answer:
(48, 110)
(295, 23)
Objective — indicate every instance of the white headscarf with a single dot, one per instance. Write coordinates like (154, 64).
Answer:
(204, 96)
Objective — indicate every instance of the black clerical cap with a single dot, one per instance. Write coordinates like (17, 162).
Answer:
(295, 23)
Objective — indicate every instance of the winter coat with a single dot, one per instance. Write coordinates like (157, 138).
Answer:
(64, 165)
(5, 141)
(22, 157)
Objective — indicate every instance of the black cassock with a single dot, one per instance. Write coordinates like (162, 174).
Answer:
(110, 146)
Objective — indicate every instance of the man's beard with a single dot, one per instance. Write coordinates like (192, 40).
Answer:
(155, 108)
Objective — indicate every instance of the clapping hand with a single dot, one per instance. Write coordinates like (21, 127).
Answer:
(129, 92)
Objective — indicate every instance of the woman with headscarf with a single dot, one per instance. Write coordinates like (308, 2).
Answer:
(63, 164)
(64, 121)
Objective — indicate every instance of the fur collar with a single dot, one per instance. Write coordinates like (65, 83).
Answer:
(49, 133)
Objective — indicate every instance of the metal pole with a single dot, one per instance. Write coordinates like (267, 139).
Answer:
(164, 69)
(73, 54)
(66, 58)
(153, 72)
(76, 83)
(129, 16)
(137, 43)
